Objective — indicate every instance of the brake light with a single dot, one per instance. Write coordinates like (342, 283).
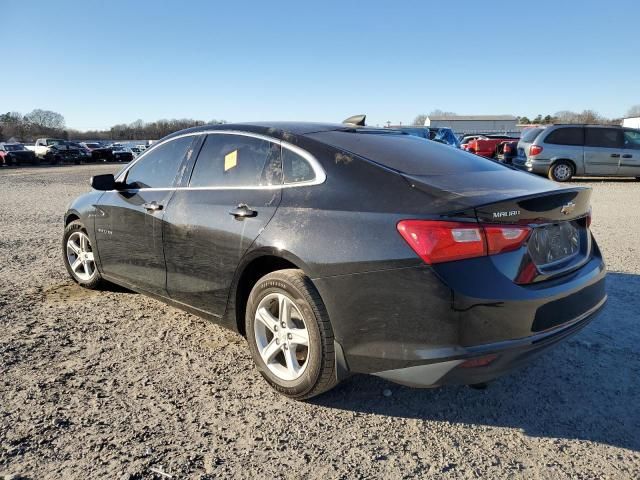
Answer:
(535, 150)
(438, 241)
(504, 239)
(507, 149)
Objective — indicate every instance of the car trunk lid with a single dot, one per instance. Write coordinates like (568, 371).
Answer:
(558, 218)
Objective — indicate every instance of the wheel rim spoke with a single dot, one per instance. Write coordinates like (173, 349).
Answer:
(292, 363)
(74, 247)
(284, 309)
(76, 265)
(268, 320)
(299, 336)
(270, 351)
(84, 243)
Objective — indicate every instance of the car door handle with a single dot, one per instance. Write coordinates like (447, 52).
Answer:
(152, 206)
(243, 211)
(615, 155)
(627, 155)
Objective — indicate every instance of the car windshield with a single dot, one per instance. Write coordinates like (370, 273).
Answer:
(55, 142)
(530, 134)
(13, 147)
(407, 154)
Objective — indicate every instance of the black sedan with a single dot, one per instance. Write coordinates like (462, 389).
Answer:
(16, 154)
(338, 249)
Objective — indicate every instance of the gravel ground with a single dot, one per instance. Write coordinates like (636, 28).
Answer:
(111, 384)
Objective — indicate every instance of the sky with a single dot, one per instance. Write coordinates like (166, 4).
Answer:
(101, 63)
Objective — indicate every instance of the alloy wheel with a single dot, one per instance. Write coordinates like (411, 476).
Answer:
(281, 336)
(562, 171)
(80, 256)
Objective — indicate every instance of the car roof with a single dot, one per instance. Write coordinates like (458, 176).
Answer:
(597, 125)
(281, 129)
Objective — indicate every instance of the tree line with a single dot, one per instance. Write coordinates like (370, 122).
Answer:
(45, 123)
(564, 116)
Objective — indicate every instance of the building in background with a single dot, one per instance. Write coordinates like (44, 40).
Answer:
(475, 123)
(631, 122)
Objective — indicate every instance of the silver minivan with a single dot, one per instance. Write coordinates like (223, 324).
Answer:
(562, 151)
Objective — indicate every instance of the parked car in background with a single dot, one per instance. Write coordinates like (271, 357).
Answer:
(56, 150)
(16, 154)
(487, 145)
(85, 153)
(121, 154)
(136, 150)
(99, 153)
(339, 249)
(437, 134)
(507, 151)
(465, 139)
(564, 151)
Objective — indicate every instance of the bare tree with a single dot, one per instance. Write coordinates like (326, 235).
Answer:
(438, 112)
(420, 119)
(634, 111)
(45, 119)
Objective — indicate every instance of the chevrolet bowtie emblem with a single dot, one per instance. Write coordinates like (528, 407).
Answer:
(568, 208)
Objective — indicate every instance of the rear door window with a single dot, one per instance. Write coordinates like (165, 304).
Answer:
(229, 161)
(603, 137)
(566, 136)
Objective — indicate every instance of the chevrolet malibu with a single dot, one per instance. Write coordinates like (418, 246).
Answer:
(338, 249)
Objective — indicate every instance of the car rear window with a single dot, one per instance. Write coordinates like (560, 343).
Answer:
(530, 135)
(566, 136)
(406, 153)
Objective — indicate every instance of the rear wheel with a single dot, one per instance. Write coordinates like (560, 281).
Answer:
(290, 336)
(79, 257)
(561, 171)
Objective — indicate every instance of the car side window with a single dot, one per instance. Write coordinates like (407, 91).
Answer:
(603, 137)
(296, 168)
(632, 139)
(159, 167)
(566, 136)
(228, 160)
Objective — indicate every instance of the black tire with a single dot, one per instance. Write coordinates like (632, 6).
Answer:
(319, 374)
(96, 279)
(561, 171)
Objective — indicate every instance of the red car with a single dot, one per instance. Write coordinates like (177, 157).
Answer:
(487, 145)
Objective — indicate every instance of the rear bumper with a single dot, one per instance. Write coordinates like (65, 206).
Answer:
(539, 166)
(416, 325)
(504, 357)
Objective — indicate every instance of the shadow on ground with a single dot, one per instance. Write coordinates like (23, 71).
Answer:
(587, 388)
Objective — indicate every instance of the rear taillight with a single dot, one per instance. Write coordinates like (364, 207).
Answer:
(535, 150)
(507, 149)
(440, 241)
(504, 239)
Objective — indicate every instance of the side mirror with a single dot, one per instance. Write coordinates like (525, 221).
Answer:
(103, 182)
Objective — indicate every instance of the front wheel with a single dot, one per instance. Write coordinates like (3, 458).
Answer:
(78, 256)
(561, 171)
(290, 336)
